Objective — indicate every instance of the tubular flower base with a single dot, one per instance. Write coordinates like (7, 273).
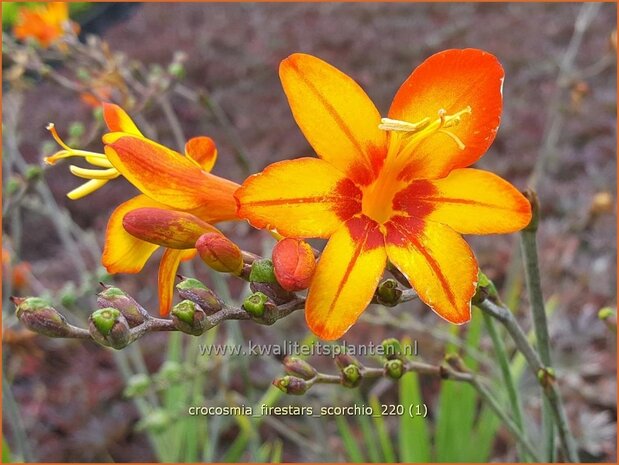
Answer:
(179, 201)
(395, 188)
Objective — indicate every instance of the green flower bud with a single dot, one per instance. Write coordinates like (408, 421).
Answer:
(351, 376)
(388, 293)
(255, 304)
(177, 70)
(189, 318)
(170, 372)
(394, 368)
(194, 290)
(392, 348)
(299, 367)
(13, 184)
(76, 129)
(606, 312)
(137, 385)
(273, 291)
(109, 328)
(157, 421)
(343, 360)
(291, 385)
(33, 173)
(116, 298)
(39, 316)
(262, 271)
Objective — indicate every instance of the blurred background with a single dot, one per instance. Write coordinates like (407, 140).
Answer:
(211, 69)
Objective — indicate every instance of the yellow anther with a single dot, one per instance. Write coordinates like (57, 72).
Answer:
(388, 124)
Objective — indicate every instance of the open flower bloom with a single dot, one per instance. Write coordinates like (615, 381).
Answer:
(44, 23)
(169, 182)
(396, 188)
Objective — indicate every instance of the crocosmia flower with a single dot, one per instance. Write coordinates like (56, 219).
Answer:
(180, 198)
(396, 188)
(44, 23)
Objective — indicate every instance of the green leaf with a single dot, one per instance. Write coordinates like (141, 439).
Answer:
(414, 438)
(381, 429)
(351, 445)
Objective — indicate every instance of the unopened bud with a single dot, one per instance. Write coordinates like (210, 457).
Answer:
(194, 290)
(394, 368)
(39, 316)
(351, 376)
(109, 327)
(343, 360)
(392, 348)
(137, 385)
(262, 271)
(168, 228)
(189, 318)
(118, 299)
(170, 371)
(291, 385)
(293, 264)
(157, 421)
(220, 253)
(255, 304)
(388, 293)
(298, 367)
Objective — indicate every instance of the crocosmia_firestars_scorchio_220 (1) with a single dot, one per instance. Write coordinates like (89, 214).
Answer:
(398, 188)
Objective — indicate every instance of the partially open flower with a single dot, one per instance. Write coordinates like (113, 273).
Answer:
(178, 192)
(294, 264)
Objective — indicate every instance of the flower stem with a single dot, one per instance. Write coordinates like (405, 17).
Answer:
(542, 374)
(536, 299)
(508, 380)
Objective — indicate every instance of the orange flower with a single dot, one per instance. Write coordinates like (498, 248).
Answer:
(393, 189)
(44, 23)
(168, 181)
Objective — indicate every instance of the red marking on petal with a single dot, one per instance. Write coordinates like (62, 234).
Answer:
(411, 198)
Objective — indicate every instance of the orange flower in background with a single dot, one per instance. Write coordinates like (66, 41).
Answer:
(44, 23)
(395, 188)
(171, 185)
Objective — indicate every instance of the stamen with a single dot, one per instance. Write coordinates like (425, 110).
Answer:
(388, 124)
(84, 173)
(86, 189)
(51, 128)
(455, 138)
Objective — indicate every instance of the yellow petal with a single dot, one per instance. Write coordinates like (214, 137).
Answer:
(169, 177)
(118, 120)
(345, 279)
(336, 116)
(470, 201)
(167, 274)
(124, 253)
(305, 197)
(437, 262)
(203, 151)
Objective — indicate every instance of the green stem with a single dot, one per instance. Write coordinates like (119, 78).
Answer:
(505, 316)
(508, 380)
(538, 311)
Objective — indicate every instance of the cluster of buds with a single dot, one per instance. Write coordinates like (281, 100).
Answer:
(301, 375)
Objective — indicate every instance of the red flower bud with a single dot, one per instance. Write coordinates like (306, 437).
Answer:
(168, 228)
(294, 264)
(220, 253)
